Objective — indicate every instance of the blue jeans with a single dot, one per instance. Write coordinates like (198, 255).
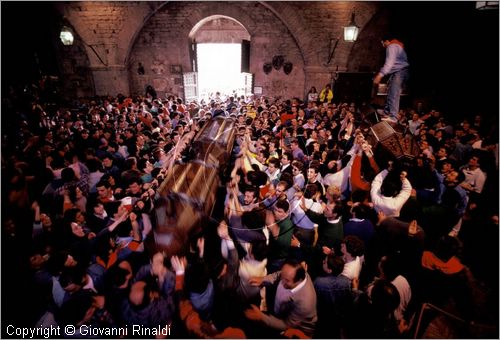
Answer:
(397, 81)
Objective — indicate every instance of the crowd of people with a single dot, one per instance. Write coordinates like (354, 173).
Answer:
(319, 237)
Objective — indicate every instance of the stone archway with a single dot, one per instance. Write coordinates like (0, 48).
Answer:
(220, 56)
(163, 47)
(219, 28)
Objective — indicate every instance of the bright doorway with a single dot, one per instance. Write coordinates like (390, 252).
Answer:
(219, 69)
(220, 59)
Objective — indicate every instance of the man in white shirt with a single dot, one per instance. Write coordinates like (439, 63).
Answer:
(273, 170)
(353, 250)
(474, 176)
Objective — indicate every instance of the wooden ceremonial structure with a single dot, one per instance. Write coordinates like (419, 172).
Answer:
(187, 194)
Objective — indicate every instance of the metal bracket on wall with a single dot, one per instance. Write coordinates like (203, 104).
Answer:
(331, 50)
(97, 54)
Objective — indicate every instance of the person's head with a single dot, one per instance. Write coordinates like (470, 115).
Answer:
(312, 171)
(311, 191)
(286, 158)
(316, 147)
(129, 133)
(107, 160)
(287, 178)
(98, 208)
(103, 189)
(386, 39)
(447, 166)
(333, 193)
(77, 229)
(384, 297)
(333, 210)
(388, 267)
(359, 210)
(250, 195)
(446, 248)
(297, 167)
(292, 273)
(67, 175)
(473, 162)
(131, 163)
(259, 250)
(353, 246)
(454, 178)
(333, 264)
(391, 184)
(273, 165)
(262, 155)
(281, 187)
(442, 152)
(281, 209)
(135, 185)
(145, 166)
(74, 215)
(424, 145)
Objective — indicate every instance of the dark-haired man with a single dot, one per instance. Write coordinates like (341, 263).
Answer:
(334, 297)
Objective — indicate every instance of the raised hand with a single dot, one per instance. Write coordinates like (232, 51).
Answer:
(200, 243)
(412, 228)
(178, 264)
(223, 230)
(253, 313)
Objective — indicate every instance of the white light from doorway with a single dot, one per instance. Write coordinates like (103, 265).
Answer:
(219, 69)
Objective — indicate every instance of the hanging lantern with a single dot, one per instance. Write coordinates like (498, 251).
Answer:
(66, 36)
(287, 67)
(351, 31)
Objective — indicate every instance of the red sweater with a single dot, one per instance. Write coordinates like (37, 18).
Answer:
(357, 181)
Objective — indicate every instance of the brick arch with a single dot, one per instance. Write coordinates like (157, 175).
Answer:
(292, 21)
(366, 55)
(196, 17)
(201, 23)
(231, 12)
(307, 40)
(289, 17)
(151, 9)
(165, 37)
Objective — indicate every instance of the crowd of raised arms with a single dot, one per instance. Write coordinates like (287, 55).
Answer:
(319, 236)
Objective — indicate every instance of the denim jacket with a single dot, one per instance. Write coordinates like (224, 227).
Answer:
(395, 59)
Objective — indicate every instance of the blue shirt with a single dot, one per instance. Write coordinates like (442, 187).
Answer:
(334, 294)
(395, 59)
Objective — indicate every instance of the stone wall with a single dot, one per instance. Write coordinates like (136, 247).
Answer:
(118, 36)
(164, 41)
